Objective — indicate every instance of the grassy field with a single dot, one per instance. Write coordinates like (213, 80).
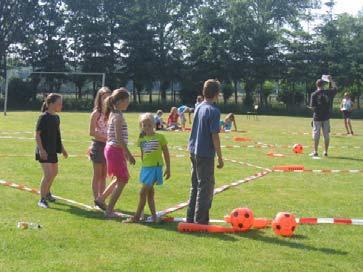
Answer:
(73, 239)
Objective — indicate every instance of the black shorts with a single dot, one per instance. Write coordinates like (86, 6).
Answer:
(96, 152)
(52, 158)
(346, 114)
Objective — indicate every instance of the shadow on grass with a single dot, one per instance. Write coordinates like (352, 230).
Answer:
(173, 226)
(289, 242)
(99, 215)
(254, 234)
(345, 158)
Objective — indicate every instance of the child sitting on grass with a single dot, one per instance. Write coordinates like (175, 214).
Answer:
(159, 122)
(173, 119)
(226, 124)
(153, 146)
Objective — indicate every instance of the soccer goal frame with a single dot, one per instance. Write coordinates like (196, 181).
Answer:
(50, 73)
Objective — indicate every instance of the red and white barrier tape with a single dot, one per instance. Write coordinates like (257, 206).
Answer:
(254, 145)
(247, 164)
(35, 191)
(216, 191)
(301, 221)
(309, 133)
(336, 221)
(329, 171)
(179, 148)
(326, 171)
(16, 132)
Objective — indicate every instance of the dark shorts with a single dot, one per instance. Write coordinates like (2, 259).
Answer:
(96, 152)
(346, 114)
(52, 158)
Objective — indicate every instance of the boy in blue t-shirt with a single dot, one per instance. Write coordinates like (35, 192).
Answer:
(204, 144)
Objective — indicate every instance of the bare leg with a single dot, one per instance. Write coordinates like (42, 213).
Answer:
(346, 125)
(350, 126)
(97, 179)
(110, 188)
(142, 201)
(49, 173)
(54, 167)
(120, 184)
(102, 182)
(151, 202)
(326, 143)
(316, 145)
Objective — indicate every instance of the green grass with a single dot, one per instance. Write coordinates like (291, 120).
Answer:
(73, 239)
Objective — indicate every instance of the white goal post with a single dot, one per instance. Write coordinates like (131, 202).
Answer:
(53, 73)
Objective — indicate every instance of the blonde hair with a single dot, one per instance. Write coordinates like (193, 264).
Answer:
(148, 116)
(173, 109)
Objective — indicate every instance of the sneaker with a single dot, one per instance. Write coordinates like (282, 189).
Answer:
(101, 205)
(313, 154)
(325, 154)
(43, 204)
(50, 197)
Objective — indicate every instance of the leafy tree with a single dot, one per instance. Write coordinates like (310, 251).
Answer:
(15, 18)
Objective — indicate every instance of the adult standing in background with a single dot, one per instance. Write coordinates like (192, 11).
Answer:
(321, 103)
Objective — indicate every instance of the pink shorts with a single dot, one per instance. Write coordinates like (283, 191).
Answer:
(116, 163)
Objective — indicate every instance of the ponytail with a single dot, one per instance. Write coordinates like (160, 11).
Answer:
(50, 99)
(112, 100)
(108, 107)
(44, 107)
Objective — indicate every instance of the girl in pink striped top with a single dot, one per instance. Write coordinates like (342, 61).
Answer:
(116, 150)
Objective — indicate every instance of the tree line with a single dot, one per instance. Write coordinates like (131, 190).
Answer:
(257, 44)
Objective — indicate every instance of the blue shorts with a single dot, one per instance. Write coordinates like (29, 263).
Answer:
(151, 175)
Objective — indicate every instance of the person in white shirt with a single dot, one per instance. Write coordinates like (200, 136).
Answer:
(346, 108)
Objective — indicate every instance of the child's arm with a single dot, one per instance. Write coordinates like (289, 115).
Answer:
(235, 125)
(120, 141)
(64, 152)
(217, 147)
(167, 161)
(42, 153)
(92, 127)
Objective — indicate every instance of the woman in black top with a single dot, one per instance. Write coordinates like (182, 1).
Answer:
(49, 143)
